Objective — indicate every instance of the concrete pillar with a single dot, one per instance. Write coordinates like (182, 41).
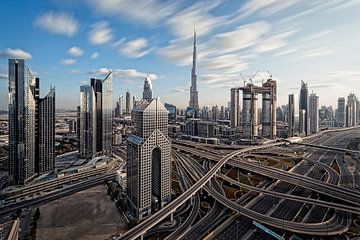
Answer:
(172, 217)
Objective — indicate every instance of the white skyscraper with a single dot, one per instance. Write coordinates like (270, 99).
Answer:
(148, 159)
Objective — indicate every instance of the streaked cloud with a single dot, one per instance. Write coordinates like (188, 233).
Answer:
(124, 73)
(144, 11)
(3, 76)
(135, 48)
(75, 51)
(74, 71)
(68, 61)
(345, 74)
(312, 53)
(95, 55)
(58, 23)
(100, 33)
(197, 15)
(242, 37)
(15, 53)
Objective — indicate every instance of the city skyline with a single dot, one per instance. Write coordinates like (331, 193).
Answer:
(293, 40)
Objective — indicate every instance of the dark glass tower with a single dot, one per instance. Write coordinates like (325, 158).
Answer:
(100, 114)
(31, 125)
(22, 114)
(45, 162)
(304, 105)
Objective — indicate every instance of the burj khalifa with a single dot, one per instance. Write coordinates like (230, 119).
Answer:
(194, 103)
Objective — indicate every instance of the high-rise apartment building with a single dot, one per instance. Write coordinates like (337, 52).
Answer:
(234, 108)
(341, 112)
(31, 125)
(96, 117)
(87, 141)
(304, 105)
(127, 102)
(103, 113)
(121, 105)
(148, 159)
(134, 102)
(293, 115)
(21, 122)
(147, 92)
(194, 98)
(314, 113)
(351, 113)
(45, 161)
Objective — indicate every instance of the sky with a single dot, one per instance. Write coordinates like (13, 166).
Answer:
(66, 42)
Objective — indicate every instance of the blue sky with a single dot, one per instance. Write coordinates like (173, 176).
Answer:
(66, 42)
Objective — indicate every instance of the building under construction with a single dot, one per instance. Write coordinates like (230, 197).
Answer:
(249, 119)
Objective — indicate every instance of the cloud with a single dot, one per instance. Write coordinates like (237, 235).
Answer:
(74, 71)
(275, 41)
(180, 89)
(240, 38)
(95, 55)
(3, 76)
(58, 23)
(225, 64)
(135, 48)
(124, 73)
(75, 51)
(265, 7)
(345, 74)
(143, 11)
(286, 52)
(68, 61)
(198, 14)
(100, 33)
(312, 53)
(15, 53)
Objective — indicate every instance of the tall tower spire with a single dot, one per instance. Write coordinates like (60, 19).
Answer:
(193, 103)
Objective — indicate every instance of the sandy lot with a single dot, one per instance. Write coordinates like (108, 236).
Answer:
(89, 214)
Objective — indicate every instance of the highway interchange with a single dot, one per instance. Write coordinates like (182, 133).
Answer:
(310, 199)
(318, 195)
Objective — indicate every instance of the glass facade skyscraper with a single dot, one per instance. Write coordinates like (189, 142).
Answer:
(21, 122)
(87, 122)
(96, 117)
(31, 125)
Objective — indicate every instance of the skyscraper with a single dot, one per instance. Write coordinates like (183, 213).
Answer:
(148, 159)
(87, 122)
(147, 92)
(31, 125)
(127, 103)
(304, 104)
(234, 108)
(134, 102)
(45, 161)
(314, 113)
(103, 113)
(121, 105)
(351, 118)
(293, 117)
(22, 116)
(193, 103)
(341, 112)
